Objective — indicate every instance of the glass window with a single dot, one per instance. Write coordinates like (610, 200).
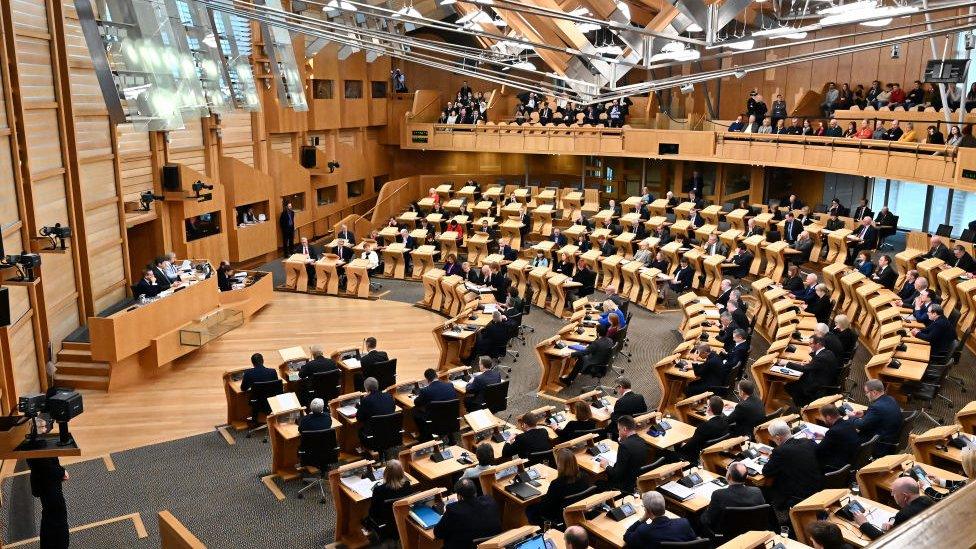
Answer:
(354, 89)
(323, 89)
(378, 89)
(963, 211)
(938, 208)
(202, 226)
(907, 201)
(355, 188)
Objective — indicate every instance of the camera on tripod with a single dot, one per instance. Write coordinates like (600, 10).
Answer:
(25, 264)
(61, 407)
(57, 233)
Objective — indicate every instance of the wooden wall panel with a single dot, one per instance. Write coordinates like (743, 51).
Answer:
(237, 140)
(24, 357)
(135, 162)
(186, 146)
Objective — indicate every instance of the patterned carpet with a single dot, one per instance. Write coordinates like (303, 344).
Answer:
(214, 488)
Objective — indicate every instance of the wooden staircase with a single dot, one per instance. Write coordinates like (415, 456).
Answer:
(77, 369)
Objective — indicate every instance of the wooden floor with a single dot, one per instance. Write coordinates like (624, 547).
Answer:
(190, 400)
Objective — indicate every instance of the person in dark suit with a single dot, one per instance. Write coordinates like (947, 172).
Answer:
(224, 281)
(846, 336)
(793, 203)
(586, 277)
(569, 482)
(937, 249)
(436, 390)
(533, 438)
(46, 479)
(257, 373)
(558, 237)
(656, 527)
(739, 352)
(596, 353)
(584, 421)
(312, 253)
(840, 443)
(791, 228)
(583, 243)
(375, 403)
(715, 426)
(820, 305)
(492, 340)
(939, 333)
(319, 363)
(605, 246)
(409, 244)
(792, 466)
(632, 454)
(286, 222)
(470, 274)
(474, 398)
(962, 259)
(711, 369)
(471, 517)
(793, 282)
(883, 417)
(862, 210)
(159, 271)
(316, 419)
(395, 485)
(147, 286)
(909, 290)
(682, 279)
(695, 218)
(865, 238)
(372, 356)
(749, 412)
(628, 403)
(905, 492)
(885, 274)
(737, 494)
(830, 340)
(345, 234)
(742, 261)
(821, 370)
(739, 318)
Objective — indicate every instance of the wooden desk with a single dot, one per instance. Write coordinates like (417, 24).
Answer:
(677, 434)
(966, 417)
(296, 277)
(449, 244)
(423, 259)
(805, 512)
(357, 278)
(607, 531)
(553, 362)
(512, 537)
(517, 272)
(394, 261)
(513, 507)
(412, 535)
(811, 412)
(511, 229)
(454, 345)
(432, 289)
(876, 477)
(655, 478)
(478, 248)
(538, 277)
(327, 274)
(348, 433)
(771, 382)
(238, 407)
(761, 540)
(673, 381)
(416, 459)
(285, 438)
(542, 219)
(930, 447)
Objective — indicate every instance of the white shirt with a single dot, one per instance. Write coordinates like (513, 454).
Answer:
(371, 258)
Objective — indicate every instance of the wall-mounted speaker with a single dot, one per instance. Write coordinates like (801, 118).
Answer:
(307, 158)
(171, 178)
(4, 307)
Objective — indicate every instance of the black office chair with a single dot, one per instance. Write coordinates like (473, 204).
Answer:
(864, 453)
(515, 333)
(725, 390)
(318, 450)
(257, 397)
(651, 466)
(775, 414)
(544, 457)
(944, 230)
(700, 543)
(384, 433)
(739, 520)
(324, 385)
(384, 372)
(496, 396)
(841, 478)
(955, 354)
(926, 391)
(526, 309)
(968, 235)
(907, 425)
(444, 418)
(620, 338)
(383, 528)
(883, 235)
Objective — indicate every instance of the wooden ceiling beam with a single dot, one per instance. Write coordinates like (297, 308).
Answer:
(557, 61)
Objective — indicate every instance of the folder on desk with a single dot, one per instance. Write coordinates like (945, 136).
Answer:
(578, 347)
(351, 362)
(522, 490)
(677, 491)
(423, 515)
(283, 402)
(788, 371)
(480, 420)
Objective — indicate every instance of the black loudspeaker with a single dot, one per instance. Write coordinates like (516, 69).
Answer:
(171, 178)
(308, 156)
(667, 148)
(4, 307)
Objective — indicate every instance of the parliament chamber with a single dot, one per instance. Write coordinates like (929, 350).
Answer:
(521, 274)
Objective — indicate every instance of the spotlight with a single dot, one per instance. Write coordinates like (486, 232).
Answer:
(332, 166)
(687, 88)
(199, 186)
(25, 264)
(147, 198)
(56, 233)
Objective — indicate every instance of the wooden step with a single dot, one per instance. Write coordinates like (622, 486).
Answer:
(82, 382)
(76, 345)
(84, 369)
(74, 355)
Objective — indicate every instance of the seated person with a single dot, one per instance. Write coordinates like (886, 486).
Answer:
(316, 419)
(610, 308)
(372, 260)
(742, 260)
(372, 356)
(471, 517)
(586, 277)
(533, 438)
(584, 422)
(681, 281)
(437, 390)
(714, 427)
(883, 417)
(147, 285)
(820, 305)
(656, 527)
(596, 354)
(568, 482)
(906, 493)
(451, 266)
(485, 454)
(540, 259)
(793, 468)
(824, 534)
(514, 305)
(749, 412)
(224, 273)
(258, 372)
(939, 333)
(395, 485)
(492, 340)
(820, 371)
(711, 370)
(793, 282)
(374, 403)
(474, 398)
(632, 454)
(840, 443)
(737, 494)
(319, 363)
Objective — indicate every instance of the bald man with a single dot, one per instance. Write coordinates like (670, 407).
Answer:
(910, 502)
(738, 494)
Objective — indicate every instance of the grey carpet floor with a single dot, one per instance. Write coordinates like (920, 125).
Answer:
(214, 488)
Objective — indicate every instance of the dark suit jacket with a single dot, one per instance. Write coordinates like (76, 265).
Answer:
(792, 230)
(164, 282)
(315, 422)
(348, 236)
(742, 261)
(736, 495)
(883, 417)
(632, 454)
(715, 427)
(608, 249)
(820, 371)
(794, 284)
(711, 373)
(870, 237)
(473, 392)
(941, 252)
(597, 352)
(374, 404)
(473, 276)
(746, 415)
(644, 535)
(684, 277)
(559, 239)
(738, 355)
(465, 521)
(378, 509)
(373, 357)
(314, 252)
(839, 446)
(436, 391)
(915, 507)
(316, 365)
(533, 440)
(940, 334)
(820, 307)
(848, 340)
(886, 276)
(586, 277)
(834, 345)
(492, 339)
(256, 374)
(143, 287)
(861, 212)
(551, 504)
(572, 428)
(965, 262)
(795, 472)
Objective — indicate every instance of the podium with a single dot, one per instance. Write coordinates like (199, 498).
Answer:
(432, 289)
(553, 362)
(327, 274)
(423, 259)
(630, 287)
(837, 245)
(542, 219)
(478, 248)
(393, 259)
(610, 267)
(650, 294)
(357, 278)
(296, 277)
(517, 272)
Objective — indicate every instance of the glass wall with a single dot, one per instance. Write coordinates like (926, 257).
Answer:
(921, 207)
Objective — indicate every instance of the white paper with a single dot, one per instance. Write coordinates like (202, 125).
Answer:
(609, 457)
(789, 371)
(753, 464)
(705, 490)
(459, 384)
(679, 490)
(490, 308)
(362, 486)
(349, 410)
(810, 430)
(879, 518)
(351, 362)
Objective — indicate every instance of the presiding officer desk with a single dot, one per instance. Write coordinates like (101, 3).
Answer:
(146, 336)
